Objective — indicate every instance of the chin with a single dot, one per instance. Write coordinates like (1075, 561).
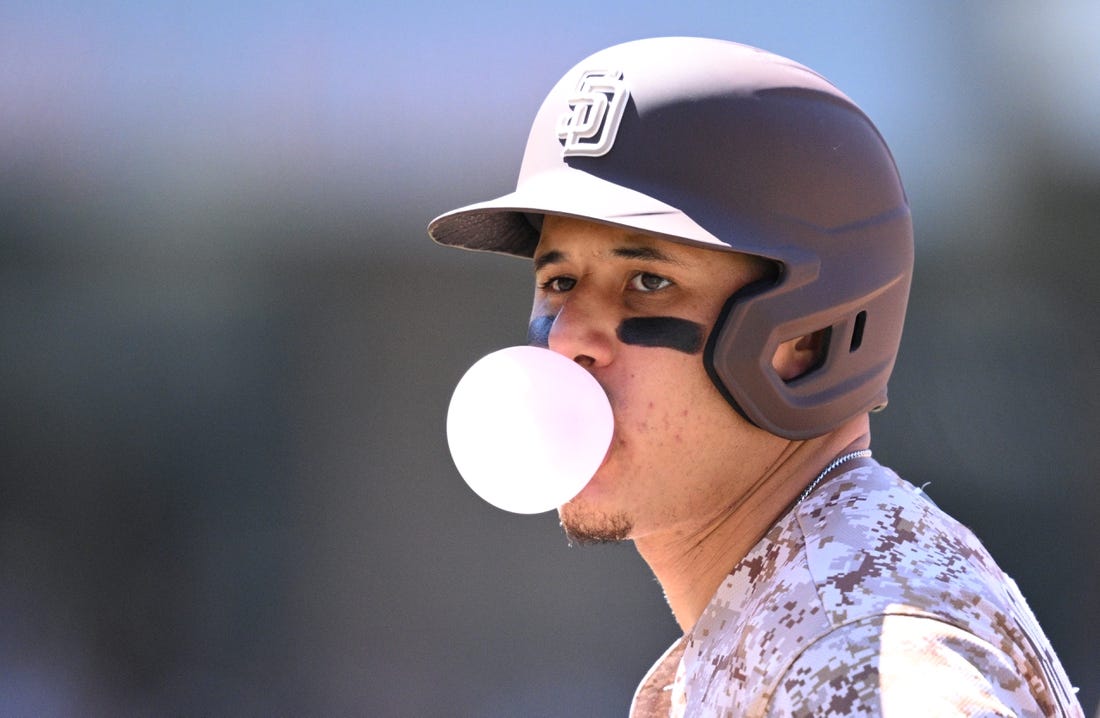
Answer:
(583, 524)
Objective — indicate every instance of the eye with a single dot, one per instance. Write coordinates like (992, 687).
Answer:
(558, 284)
(645, 282)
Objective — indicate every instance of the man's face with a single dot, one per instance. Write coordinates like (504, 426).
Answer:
(636, 312)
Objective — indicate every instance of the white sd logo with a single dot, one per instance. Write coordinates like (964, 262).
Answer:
(588, 128)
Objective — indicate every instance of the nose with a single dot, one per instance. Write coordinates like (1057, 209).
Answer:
(579, 331)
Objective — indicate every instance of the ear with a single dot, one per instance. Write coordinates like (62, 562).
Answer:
(796, 357)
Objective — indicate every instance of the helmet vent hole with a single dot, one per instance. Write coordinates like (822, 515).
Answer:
(857, 331)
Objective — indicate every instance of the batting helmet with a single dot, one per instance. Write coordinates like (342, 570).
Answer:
(720, 145)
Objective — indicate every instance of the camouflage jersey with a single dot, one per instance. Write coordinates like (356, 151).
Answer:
(863, 600)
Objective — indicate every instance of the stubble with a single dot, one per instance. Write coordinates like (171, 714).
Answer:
(587, 529)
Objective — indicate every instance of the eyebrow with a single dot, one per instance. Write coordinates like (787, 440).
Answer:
(551, 257)
(635, 252)
(645, 254)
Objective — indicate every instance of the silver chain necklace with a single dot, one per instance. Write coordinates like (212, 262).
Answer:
(861, 454)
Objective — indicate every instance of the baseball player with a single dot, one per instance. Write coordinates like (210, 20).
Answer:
(721, 238)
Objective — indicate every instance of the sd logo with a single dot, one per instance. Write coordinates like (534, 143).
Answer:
(588, 128)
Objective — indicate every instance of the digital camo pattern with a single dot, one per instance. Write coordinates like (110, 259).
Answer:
(864, 600)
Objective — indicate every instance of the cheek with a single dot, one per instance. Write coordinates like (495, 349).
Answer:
(664, 394)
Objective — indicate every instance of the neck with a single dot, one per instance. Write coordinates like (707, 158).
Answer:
(692, 561)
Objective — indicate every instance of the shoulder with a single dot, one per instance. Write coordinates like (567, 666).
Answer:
(876, 544)
(868, 575)
(902, 665)
(899, 578)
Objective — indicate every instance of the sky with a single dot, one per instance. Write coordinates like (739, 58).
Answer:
(405, 108)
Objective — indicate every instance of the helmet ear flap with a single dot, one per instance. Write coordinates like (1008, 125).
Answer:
(716, 355)
(797, 360)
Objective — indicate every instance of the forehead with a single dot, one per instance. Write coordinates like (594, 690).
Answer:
(567, 238)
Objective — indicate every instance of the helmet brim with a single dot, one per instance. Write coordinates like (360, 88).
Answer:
(504, 224)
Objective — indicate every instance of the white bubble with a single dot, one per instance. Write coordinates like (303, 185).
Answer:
(528, 428)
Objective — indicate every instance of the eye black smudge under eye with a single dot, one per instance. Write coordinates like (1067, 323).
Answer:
(538, 332)
(667, 332)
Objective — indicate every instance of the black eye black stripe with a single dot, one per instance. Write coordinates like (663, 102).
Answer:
(665, 332)
(538, 332)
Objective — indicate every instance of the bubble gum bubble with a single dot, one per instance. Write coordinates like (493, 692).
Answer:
(528, 428)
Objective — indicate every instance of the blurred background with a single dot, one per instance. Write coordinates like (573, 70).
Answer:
(227, 345)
